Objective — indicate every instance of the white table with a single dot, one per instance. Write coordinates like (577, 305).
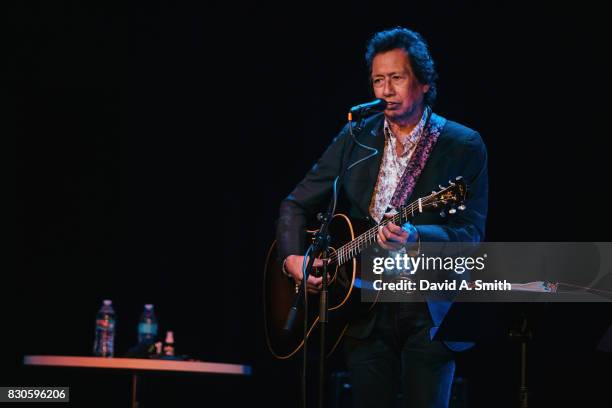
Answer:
(136, 365)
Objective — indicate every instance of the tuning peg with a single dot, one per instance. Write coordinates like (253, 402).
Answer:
(452, 210)
(461, 207)
(451, 183)
(442, 214)
(440, 187)
(458, 178)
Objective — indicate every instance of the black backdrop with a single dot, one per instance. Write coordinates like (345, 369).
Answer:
(154, 141)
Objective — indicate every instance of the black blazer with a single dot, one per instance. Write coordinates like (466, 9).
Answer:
(459, 151)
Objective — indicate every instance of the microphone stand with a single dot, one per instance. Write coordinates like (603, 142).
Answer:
(320, 246)
(323, 303)
(324, 247)
(320, 243)
(524, 335)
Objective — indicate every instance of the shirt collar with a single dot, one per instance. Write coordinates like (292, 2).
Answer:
(414, 135)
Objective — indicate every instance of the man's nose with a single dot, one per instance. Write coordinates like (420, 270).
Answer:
(388, 88)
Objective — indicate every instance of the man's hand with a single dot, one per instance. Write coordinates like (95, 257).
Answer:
(293, 266)
(393, 237)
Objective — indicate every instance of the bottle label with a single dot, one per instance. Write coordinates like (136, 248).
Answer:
(105, 324)
(147, 328)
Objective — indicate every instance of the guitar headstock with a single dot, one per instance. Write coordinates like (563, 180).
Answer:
(451, 197)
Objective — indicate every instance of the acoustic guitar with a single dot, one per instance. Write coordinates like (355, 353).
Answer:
(349, 239)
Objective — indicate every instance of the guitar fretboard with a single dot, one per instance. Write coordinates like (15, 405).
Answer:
(353, 248)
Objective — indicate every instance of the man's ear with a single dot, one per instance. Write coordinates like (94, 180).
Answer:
(425, 88)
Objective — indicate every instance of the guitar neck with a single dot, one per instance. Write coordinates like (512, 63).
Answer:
(453, 194)
(353, 248)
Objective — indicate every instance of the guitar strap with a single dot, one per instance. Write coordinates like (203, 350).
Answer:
(427, 141)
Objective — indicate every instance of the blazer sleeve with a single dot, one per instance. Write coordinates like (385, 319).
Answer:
(311, 195)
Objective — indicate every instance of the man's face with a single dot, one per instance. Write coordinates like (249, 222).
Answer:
(394, 81)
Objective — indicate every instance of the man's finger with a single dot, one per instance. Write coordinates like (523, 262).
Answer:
(393, 228)
(313, 280)
(386, 233)
(401, 237)
(381, 236)
(397, 236)
(391, 236)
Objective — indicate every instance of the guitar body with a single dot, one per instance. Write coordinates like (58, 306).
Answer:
(344, 298)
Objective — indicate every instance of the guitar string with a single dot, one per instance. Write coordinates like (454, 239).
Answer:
(349, 250)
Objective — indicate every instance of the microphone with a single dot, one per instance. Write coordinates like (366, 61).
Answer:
(366, 109)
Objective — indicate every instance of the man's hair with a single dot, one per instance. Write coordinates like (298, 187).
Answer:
(418, 54)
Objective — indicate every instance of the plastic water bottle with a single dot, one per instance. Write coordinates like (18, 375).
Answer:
(104, 343)
(147, 325)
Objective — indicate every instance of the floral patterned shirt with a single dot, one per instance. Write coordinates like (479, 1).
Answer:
(392, 168)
